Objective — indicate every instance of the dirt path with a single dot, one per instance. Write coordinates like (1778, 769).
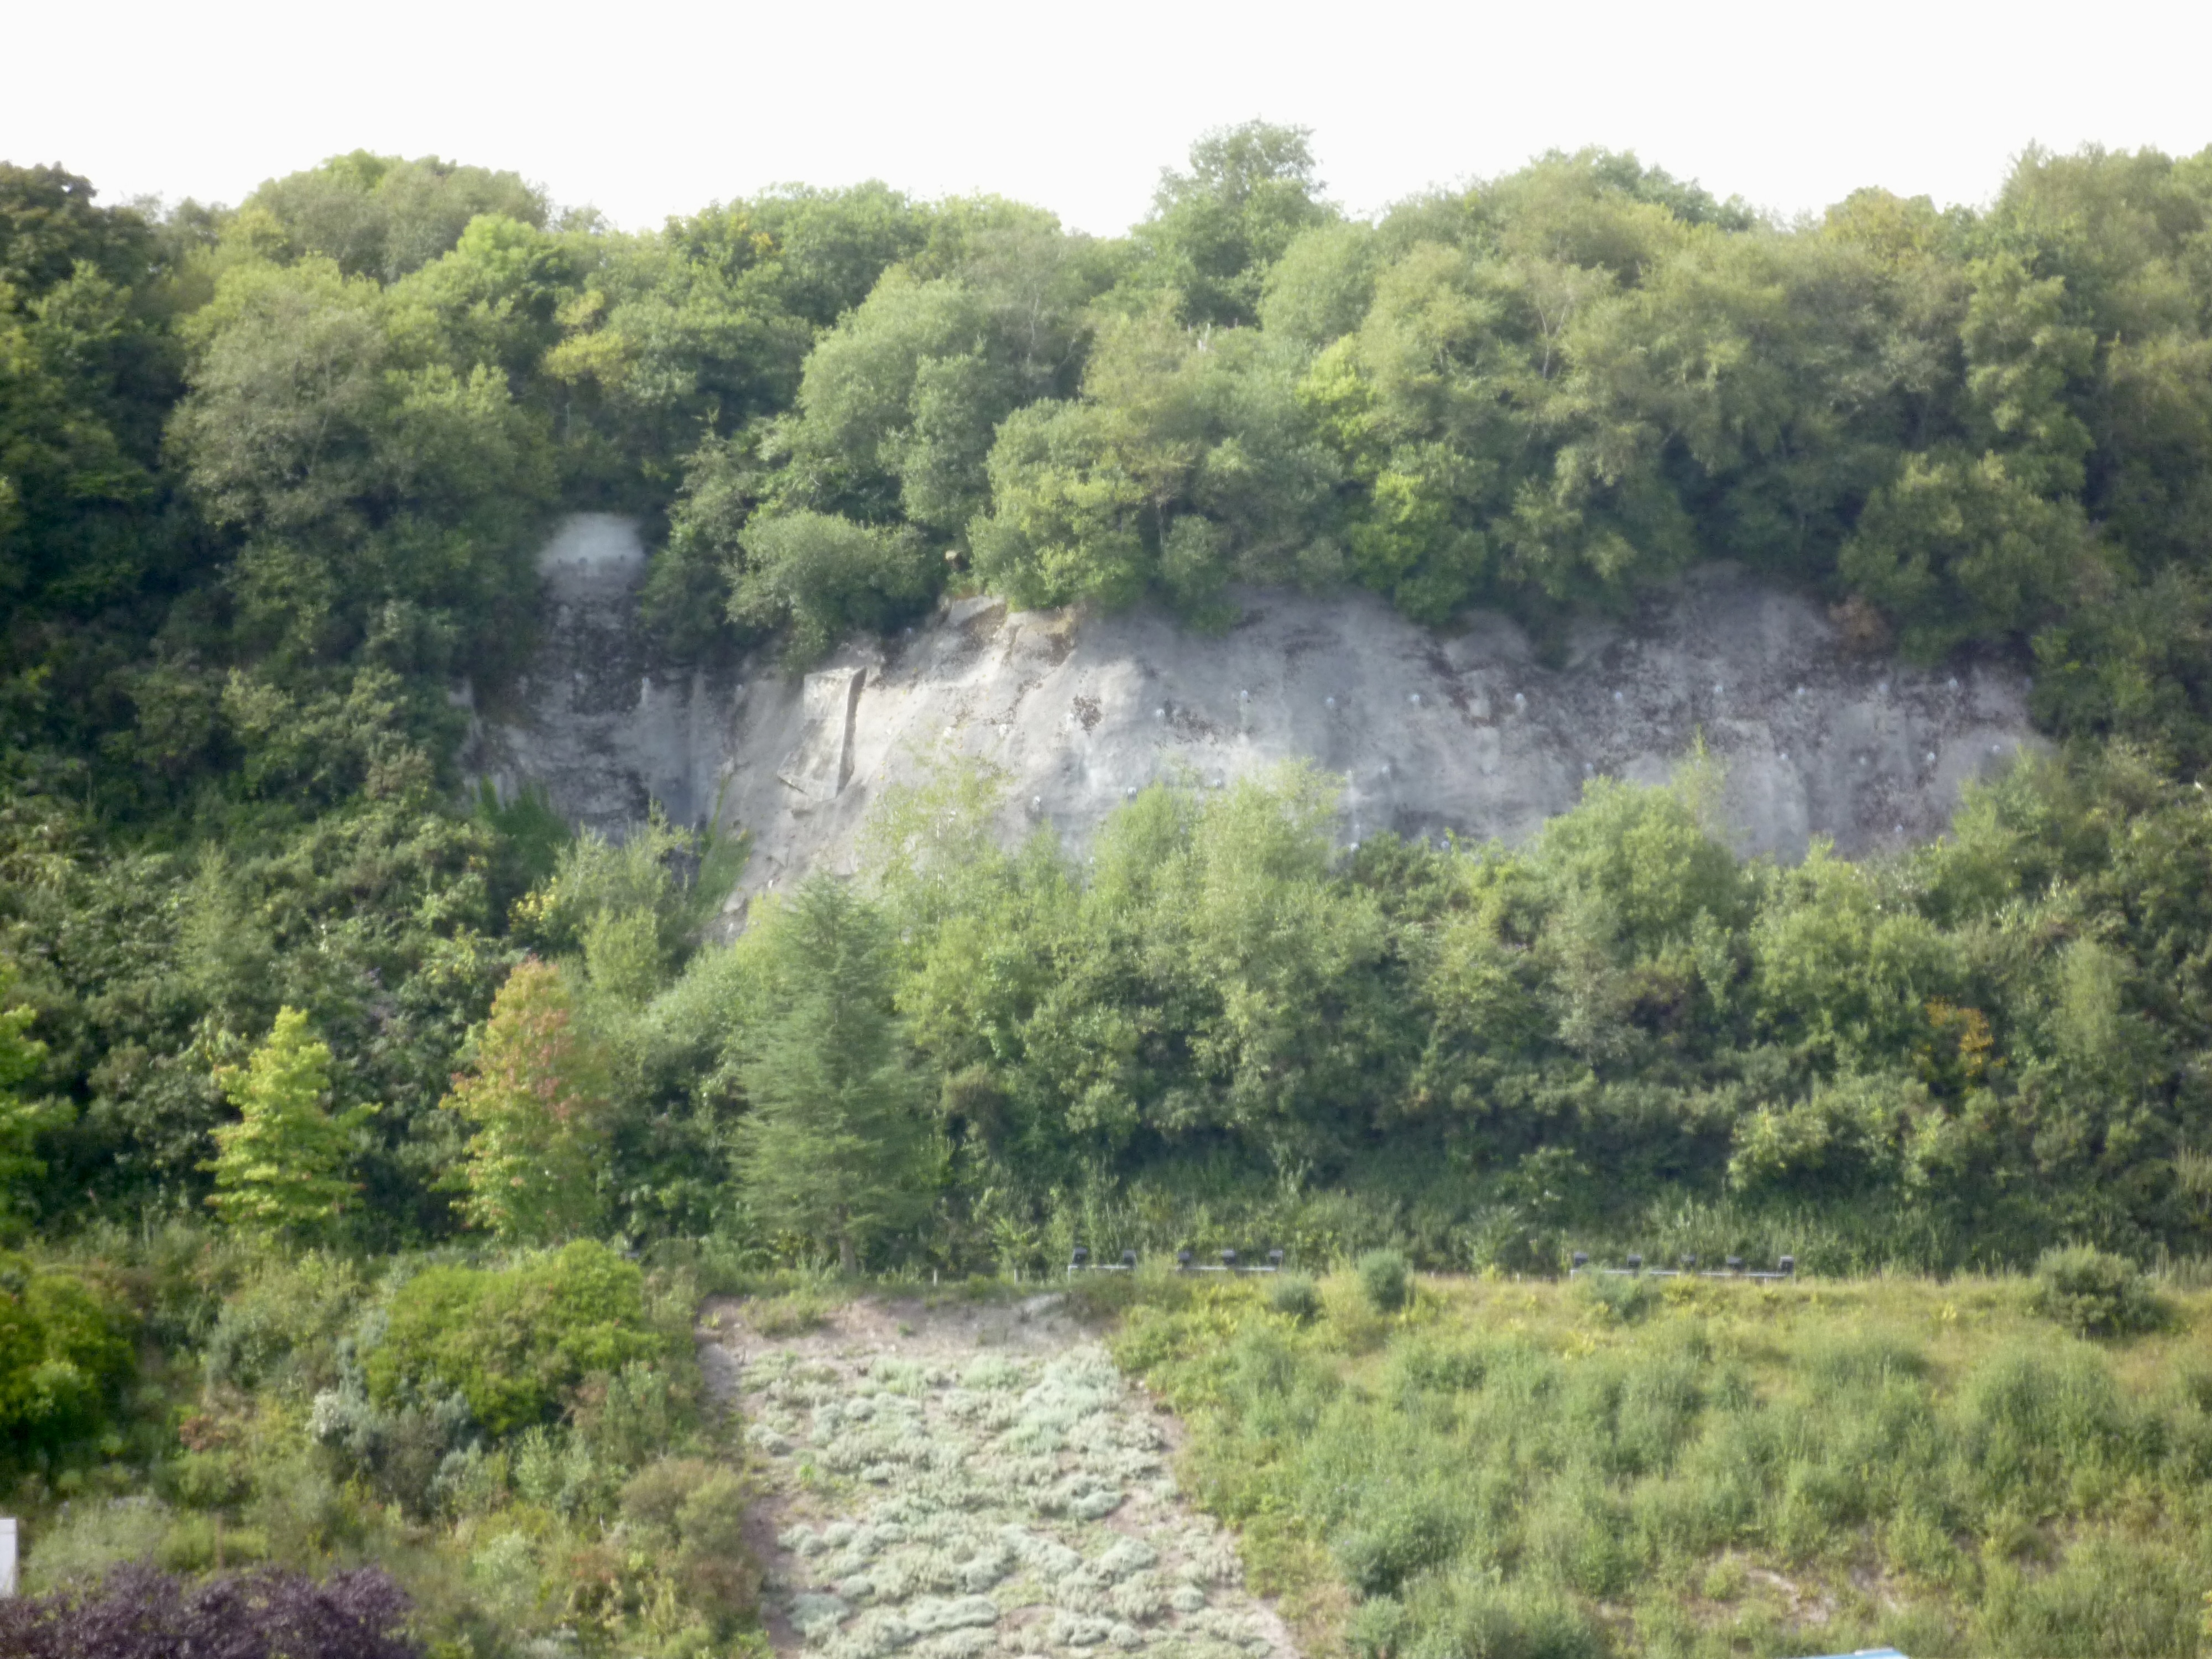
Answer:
(960, 1480)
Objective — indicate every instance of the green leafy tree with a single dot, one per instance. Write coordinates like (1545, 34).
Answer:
(1959, 549)
(381, 216)
(536, 1091)
(1215, 229)
(820, 576)
(834, 1147)
(279, 1170)
(21, 1055)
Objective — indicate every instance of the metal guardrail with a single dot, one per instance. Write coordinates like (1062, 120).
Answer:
(1186, 1261)
(1784, 1267)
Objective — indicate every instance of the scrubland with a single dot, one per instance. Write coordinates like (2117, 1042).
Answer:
(1697, 1468)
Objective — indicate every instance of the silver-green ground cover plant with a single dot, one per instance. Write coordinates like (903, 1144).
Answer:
(956, 1505)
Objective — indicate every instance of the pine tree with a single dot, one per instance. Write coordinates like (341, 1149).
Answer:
(20, 1120)
(278, 1171)
(833, 1146)
(537, 1092)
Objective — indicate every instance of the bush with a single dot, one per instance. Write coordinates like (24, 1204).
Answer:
(699, 1507)
(1626, 1300)
(64, 1355)
(137, 1612)
(2093, 1293)
(515, 1343)
(1418, 1531)
(1295, 1296)
(1385, 1279)
(283, 1325)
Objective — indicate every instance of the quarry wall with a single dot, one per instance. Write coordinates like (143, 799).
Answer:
(1461, 732)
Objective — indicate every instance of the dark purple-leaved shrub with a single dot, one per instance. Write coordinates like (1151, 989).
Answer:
(137, 1612)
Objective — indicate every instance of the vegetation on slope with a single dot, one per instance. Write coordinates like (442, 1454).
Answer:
(1696, 1467)
(270, 481)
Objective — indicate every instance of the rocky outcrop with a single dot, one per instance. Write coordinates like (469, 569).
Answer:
(1463, 732)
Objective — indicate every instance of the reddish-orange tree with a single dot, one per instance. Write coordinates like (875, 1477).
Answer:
(537, 1092)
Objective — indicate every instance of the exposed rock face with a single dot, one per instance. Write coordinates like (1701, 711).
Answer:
(1462, 732)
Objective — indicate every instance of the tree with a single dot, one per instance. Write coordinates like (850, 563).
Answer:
(834, 1147)
(20, 1120)
(537, 1091)
(821, 577)
(1215, 230)
(277, 1171)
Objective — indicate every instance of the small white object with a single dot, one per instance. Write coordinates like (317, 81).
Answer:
(1900, 829)
(1616, 696)
(1718, 688)
(1130, 794)
(1036, 803)
(1800, 691)
(1931, 758)
(1997, 749)
(1355, 846)
(1244, 695)
(1161, 713)
(1520, 701)
(7, 1555)
(1883, 687)
(1951, 684)
(1588, 769)
(1414, 698)
(1218, 780)
(1785, 754)
(1329, 702)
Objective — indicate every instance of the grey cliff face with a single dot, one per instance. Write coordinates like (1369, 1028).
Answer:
(1430, 733)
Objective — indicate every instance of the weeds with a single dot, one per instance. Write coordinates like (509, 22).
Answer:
(1600, 1468)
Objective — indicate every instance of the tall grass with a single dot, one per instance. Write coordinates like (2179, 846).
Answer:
(1508, 1470)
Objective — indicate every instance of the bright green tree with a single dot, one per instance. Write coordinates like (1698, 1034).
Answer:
(279, 1170)
(537, 1093)
(20, 1120)
(834, 1148)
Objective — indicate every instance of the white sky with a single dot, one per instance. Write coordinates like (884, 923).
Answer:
(657, 106)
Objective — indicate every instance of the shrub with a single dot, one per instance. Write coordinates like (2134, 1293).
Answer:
(283, 1325)
(1431, 1366)
(1295, 1296)
(1385, 1279)
(138, 1613)
(793, 1314)
(515, 1342)
(2093, 1293)
(1625, 1300)
(1416, 1531)
(64, 1354)
(699, 1508)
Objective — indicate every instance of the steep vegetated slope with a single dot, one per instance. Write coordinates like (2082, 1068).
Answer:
(273, 482)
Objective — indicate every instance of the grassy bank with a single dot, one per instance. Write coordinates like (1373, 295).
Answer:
(1551, 1470)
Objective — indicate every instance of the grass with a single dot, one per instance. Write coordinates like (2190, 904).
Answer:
(1696, 1469)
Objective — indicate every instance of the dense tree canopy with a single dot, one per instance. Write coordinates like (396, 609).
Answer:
(270, 478)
